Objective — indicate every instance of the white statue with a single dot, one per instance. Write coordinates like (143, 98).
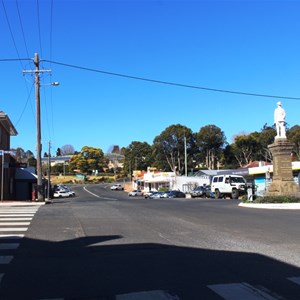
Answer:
(279, 120)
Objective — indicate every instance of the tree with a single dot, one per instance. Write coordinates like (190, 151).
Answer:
(210, 141)
(20, 155)
(265, 138)
(58, 152)
(169, 147)
(29, 154)
(228, 158)
(245, 148)
(138, 156)
(87, 160)
(293, 136)
(67, 150)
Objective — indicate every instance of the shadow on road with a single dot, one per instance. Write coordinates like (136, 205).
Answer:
(87, 267)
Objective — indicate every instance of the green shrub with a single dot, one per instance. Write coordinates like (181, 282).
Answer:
(274, 199)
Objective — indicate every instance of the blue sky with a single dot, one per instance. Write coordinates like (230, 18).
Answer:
(243, 46)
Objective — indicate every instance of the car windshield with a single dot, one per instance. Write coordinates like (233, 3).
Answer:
(199, 188)
(237, 180)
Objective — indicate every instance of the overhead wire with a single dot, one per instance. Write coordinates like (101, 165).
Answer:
(26, 103)
(39, 26)
(22, 28)
(173, 83)
(11, 32)
(51, 48)
(15, 46)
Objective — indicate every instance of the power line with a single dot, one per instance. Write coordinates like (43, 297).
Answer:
(51, 48)
(10, 30)
(21, 24)
(14, 59)
(172, 83)
(162, 82)
(39, 25)
(25, 105)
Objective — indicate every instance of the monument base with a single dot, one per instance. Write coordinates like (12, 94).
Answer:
(282, 187)
(283, 182)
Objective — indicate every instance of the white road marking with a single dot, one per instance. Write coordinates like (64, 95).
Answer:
(238, 291)
(95, 195)
(8, 210)
(13, 229)
(295, 279)
(6, 259)
(149, 295)
(14, 215)
(9, 246)
(11, 236)
(15, 219)
(14, 223)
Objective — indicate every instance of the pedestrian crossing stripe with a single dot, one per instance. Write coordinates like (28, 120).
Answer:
(13, 229)
(295, 279)
(11, 236)
(237, 291)
(9, 246)
(14, 215)
(5, 259)
(148, 295)
(24, 211)
(229, 291)
(11, 218)
(14, 223)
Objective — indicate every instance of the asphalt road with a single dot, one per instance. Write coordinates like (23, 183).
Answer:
(103, 243)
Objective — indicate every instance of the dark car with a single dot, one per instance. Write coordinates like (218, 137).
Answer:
(202, 191)
(175, 194)
(199, 191)
(208, 192)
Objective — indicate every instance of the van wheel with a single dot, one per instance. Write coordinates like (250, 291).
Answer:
(235, 194)
(217, 194)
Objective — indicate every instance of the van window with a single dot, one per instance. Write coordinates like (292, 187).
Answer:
(215, 179)
(221, 179)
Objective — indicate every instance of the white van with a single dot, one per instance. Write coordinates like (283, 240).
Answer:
(228, 186)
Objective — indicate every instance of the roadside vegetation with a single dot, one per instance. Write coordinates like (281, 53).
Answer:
(207, 148)
(274, 199)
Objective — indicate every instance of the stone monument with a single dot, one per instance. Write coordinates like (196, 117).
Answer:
(283, 182)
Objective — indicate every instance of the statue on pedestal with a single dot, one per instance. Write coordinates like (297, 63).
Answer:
(279, 120)
(282, 181)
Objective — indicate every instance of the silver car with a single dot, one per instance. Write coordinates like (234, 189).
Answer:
(135, 193)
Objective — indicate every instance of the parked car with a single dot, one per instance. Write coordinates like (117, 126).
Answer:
(148, 194)
(156, 195)
(199, 191)
(208, 192)
(71, 193)
(165, 194)
(61, 194)
(135, 193)
(176, 194)
(117, 187)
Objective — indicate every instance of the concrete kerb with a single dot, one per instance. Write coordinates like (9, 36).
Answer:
(20, 203)
(271, 205)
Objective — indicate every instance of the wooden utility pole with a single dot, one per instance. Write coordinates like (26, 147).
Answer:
(40, 194)
(37, 71)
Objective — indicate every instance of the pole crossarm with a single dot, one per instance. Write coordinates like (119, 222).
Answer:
(36, 71)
